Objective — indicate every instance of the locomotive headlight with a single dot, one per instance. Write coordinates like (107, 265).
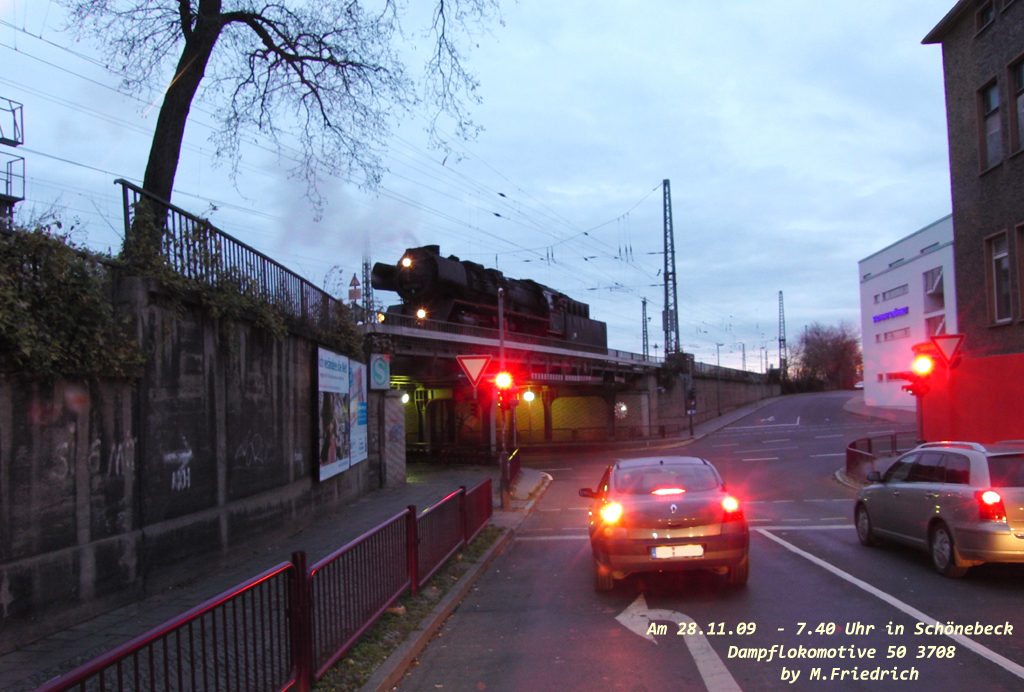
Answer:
(421, 314)
(407, 262)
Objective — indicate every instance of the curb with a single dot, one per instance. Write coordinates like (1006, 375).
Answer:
(391, 671)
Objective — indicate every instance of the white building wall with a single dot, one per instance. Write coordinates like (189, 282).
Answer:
(899, 308)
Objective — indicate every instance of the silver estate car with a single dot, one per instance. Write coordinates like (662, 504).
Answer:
(658, 514)
(963, 502)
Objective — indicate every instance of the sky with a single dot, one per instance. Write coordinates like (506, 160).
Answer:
(799, 136)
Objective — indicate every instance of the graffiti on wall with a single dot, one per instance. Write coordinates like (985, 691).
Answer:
(253, 451)
(181, 477)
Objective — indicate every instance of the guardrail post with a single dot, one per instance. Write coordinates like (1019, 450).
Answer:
(413, 549)
(301, 616)
(464, 515)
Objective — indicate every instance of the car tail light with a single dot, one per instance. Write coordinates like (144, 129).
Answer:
(732, 509)
(611, 512)
(668, 491)
(990, 505)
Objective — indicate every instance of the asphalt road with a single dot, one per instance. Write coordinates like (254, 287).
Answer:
(535, 623)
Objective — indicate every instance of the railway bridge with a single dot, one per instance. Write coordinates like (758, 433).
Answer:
(569, 393)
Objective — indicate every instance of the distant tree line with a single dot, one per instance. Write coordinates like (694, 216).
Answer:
(826, 357)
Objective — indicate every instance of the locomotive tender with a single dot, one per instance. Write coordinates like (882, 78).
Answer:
(452, 290)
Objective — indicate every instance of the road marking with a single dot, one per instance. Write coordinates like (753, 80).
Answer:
(796, 520)
(823, 437)
(840, 454)
(552, 510)
(765, 426)
(577, 509)
(833, 518)
(731, 444)
(764, 449)
(762, 459)
(913, 612)
(805, 528)
(781, 501)
(551, 538)
(637, 618)
(784, 439)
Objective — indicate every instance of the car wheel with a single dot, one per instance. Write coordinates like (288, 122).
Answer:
(865, 532)
(603, 580)
(943, 552)
(738, 574)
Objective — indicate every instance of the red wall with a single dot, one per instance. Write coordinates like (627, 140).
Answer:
(981, 400)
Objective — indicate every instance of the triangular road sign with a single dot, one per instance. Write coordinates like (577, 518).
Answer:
(948, 345)
(474, 367)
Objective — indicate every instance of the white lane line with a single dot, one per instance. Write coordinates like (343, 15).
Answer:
(763, 449)
(577, 509)
(551, 538)
(805, 528)
(762, 459)
(824, 437)
(731, 444)
(796, 520)
(784, 439)
(833, 518)
(840, 454)
(781, 501)
(913, 612)
(557, 509)
(766, 426)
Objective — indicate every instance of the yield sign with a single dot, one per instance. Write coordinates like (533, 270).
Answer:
(473, 366)
(948, 345)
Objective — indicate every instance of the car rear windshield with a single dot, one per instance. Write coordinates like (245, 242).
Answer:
(644, 481)
(1006, 471)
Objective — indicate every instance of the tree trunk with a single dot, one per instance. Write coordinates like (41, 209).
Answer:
(149, 221)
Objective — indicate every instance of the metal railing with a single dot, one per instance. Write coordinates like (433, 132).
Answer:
(353, 586)
(861, 454)
(197, 249)
(284, 628)
(239, 640)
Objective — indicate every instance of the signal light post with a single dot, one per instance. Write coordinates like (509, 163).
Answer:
(921, 371)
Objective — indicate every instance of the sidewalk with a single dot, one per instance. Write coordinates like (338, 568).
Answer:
(29, 667)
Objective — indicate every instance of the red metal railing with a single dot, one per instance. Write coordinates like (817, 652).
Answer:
(285, 628)
(354, 585)
(239, 640)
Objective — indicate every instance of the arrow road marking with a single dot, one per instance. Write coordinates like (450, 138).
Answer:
(637, 618)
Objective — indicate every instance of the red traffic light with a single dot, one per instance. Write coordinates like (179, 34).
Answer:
(923, 365)
(508, 394)
(503, 380)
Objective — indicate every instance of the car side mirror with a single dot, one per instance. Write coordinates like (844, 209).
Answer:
(587, 492)
(874, 477)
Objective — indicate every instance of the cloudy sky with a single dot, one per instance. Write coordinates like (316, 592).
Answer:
(799, 137)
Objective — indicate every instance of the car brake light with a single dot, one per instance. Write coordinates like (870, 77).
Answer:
(611, 512)
(732, 509)
(668, 491)
(990, 505)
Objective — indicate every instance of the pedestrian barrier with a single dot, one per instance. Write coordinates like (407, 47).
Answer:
(861, 454)
(285, 628)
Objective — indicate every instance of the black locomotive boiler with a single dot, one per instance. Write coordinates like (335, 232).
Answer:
(452, 290)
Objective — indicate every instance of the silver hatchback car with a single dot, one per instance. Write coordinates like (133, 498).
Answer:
(963, 502)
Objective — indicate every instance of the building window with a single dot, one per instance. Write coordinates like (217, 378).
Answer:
(892, 293)
(935, 325)
(934, 290)
(992, 141)
(1000, 277)
(1017, 79)
(986, 13)
(896, 334)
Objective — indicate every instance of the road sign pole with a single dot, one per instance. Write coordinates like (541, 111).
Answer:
(506, 482)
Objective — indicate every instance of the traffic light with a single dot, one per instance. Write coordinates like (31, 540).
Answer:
(921, 370)
(691, 401)
(508, 393)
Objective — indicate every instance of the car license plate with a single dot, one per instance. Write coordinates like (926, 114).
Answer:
(665, 551)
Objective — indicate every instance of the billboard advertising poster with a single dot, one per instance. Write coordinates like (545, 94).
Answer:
(333, 406)
(357, 412)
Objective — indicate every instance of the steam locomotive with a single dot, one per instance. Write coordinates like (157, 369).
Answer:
(452, 290)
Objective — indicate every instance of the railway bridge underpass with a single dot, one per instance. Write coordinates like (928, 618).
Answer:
(569, 394)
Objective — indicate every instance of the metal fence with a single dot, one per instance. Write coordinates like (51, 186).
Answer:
(862, 454)
(285, 628)
(195, 248)
(239, 640)
(352, 587)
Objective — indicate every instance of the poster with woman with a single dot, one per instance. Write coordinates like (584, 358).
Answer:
(333, 405)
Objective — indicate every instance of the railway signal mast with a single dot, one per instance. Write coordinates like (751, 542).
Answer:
(782, 339)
